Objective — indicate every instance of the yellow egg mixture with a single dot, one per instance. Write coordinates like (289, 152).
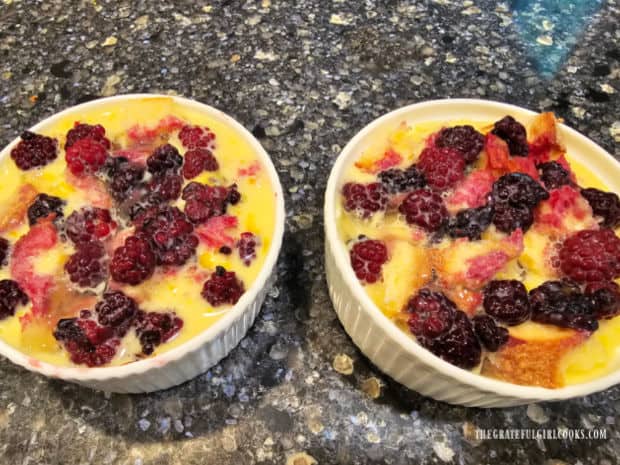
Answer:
(165, 291)
(410, 266)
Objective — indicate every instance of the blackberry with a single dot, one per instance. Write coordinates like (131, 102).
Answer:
(34, 150)
(198, 160)
(553, 175)
(465, 139)
(431, 314)
(117, 311)
(490, 334)
(11, 297)
(43, 206)
(4, 251)
(424, 208)
(514, 134)
(87, 267)
(122, 176)
(507, 301)
(471, 222)
(89, 224)
(247, 244)
(396, 180)
(133, 262)
(164, 188)
(86, 131)
(87, 342)
(154, 328)
(365, 199)
(507, 218)
(591, 256)
(223, 287)
(442, 167)
(170, 233)
(367, 259)
(606, 298)
(204, 201)
(561, 303)
(518, 190)
(604, 204)
(459, 345)
(164, 159)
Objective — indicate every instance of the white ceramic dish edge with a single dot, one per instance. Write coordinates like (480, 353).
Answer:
(200, 353)
(389, 348)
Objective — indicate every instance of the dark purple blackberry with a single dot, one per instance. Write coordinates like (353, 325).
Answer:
(204, 201)
(459, 345)
(471, 223)
(88, 224)
(170, 233)
(117, 311)
(165, 159)
(86, 341)
(396, 180)
(464, 139)
(43, 206)
(514, 134)
(490, 334)
(86, 131)
(553, 175)
(165, 188)
(87, 267)
(154, 328)
(247, 244)
(431, 314)
(507, 301)
(4, 251)
(606, 298)
(122, 176)
(34, 150)
(507, 218)
(133, 262)
(604, 204)
(561, 303)
(517, 190)
(11, 296)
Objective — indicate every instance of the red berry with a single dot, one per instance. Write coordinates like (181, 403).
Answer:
(247, 244)
(193, 137)
(164, 159)
(85, 156)
(424, 208)
(223, 287)
(164, 188)
(88, 224)
(365, 199)
(34, 150)
(87, 342)
(198, 160)
(367, 259)
(87, 267)
(430, 314)
(464, 139)
(154, 328)
(11, 296)
(86, 131)
(591, 256)
(133, 262)
(442, 167)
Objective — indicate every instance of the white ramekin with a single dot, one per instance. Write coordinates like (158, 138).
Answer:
(206, 349)
(389, 348)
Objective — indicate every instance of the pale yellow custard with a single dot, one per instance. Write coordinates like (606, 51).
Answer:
(385, 213)
(136, 128)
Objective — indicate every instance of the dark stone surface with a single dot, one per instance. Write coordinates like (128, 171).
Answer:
(305, 76)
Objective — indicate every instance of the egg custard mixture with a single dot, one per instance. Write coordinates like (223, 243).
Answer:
(490, 246)
(127, 231)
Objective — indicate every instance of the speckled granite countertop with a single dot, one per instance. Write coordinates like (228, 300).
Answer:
(305, 75)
